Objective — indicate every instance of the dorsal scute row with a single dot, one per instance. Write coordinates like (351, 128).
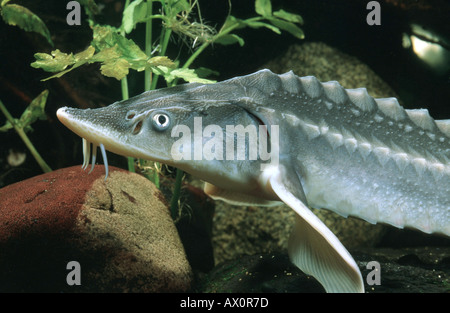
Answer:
(444, 126)
(391, 108)
(270, 83)
(359, 97)
(422, 118)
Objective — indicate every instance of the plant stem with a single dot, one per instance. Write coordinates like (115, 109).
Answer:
(44, 166)
(148, 44)
(221, 33)
(125, 96)
(176, 194)
(130, 163)
(124, 85)
(163, 43)
(153, 176)
(196, 54)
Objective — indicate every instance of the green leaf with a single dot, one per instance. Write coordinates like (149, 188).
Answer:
(135, 13)
(116, 53)
(107, 37)
(117, 68)
(106, 54)
(85, 55)
(188, 75)
(34, 111)
(231, 21)
(229, 39)
(4, 2)
(58, 61)
(263, 7)
(18, 15)
(266, 25)
(54, 62)
(90, 7)
(161, 61)
(104, 37)
(6, 127)
(289, 27)
(290, 17)
(177, 6)
(205, 72)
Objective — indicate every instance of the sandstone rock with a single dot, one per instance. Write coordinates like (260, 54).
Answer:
(119, 231)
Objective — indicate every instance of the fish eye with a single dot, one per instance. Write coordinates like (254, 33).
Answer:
(161, 121)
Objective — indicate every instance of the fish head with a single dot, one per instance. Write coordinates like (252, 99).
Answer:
(182, 126)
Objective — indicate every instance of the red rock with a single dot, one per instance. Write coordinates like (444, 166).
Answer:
(119, 231)
(27, 211)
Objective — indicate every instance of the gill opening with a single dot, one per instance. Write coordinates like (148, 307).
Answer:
(87, 155)
(259, 121)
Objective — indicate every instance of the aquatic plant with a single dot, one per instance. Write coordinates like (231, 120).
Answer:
(22, 125)
(17, 15)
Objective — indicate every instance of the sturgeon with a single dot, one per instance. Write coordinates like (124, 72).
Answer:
(338, 149)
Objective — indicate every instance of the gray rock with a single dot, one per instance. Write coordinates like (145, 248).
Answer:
(418, 270)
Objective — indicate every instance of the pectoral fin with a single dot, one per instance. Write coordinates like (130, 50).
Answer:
(312, 246)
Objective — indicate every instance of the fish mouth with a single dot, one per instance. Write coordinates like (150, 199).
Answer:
(97, 136)
(85, 129)
(69, 121)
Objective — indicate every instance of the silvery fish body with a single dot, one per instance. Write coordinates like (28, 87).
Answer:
(357, 155)
(330, 147)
